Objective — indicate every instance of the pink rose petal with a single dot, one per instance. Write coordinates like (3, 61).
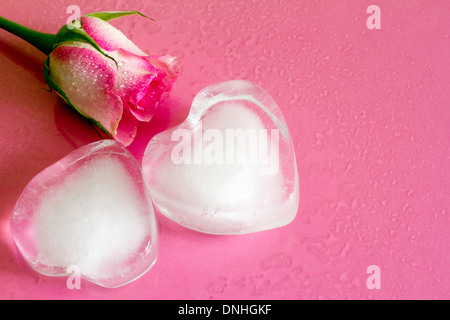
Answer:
(127, 129)
(108, 37)
(88, 79)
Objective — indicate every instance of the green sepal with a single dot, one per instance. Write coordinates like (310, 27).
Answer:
(54, 86)
(110, 15)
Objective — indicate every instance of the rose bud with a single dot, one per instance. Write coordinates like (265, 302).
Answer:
(102, 74)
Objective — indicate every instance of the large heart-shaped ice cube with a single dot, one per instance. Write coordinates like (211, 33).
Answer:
(230, 167)
(90, 211)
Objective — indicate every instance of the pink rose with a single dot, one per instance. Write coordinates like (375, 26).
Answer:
(108, 79)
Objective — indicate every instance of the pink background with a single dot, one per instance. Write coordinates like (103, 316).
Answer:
(369, 115)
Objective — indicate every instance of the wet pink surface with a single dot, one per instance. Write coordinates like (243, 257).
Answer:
(369, 115)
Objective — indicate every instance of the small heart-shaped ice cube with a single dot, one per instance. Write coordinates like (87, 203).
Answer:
(89, 212)
(230, 167)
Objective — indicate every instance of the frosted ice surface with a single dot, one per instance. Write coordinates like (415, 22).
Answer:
(230, 167)
(90, 210)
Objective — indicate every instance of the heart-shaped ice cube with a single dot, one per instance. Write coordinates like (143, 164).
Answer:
(90, 211)
(230, 167)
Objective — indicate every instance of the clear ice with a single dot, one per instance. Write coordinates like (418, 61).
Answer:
(91, 210)
(230, 167)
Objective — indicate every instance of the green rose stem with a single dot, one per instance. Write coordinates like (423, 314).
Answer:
(42, 41)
